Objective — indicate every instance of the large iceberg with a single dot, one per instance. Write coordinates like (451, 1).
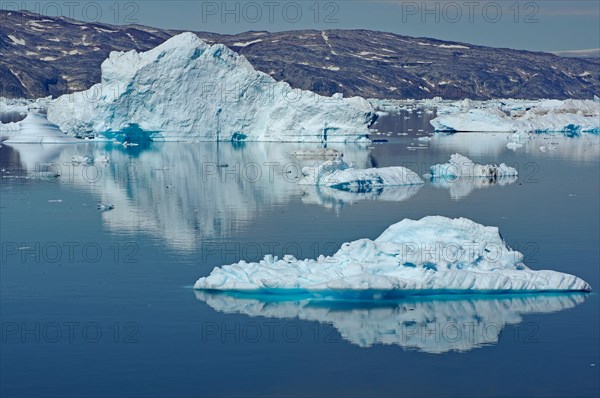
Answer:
(568, 116)
(187, 90)
(461, 166)
(338, 174)
(432, 255)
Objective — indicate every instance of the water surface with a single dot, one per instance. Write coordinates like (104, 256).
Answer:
(100, 303)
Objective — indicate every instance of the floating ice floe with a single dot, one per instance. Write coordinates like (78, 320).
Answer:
(102, 159)
(187, 90)
(319, 153)
(339, 175)
(513, 146)
(461, 175)
(78, 159)
(429, 256)
(35, 129)
(426, 324)
(461, 166)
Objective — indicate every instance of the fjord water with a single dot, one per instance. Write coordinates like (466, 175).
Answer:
(100, 303)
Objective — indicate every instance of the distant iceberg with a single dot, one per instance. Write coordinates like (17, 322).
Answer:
(461, 166)
(428, 324)
(506, 115)
(187, 90)
(461, 175)
(338, 174)
(35, 129)
(429, 256)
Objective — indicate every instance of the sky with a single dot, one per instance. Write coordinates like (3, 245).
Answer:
(548, 25)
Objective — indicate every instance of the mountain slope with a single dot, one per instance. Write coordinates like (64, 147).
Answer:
(42, 56)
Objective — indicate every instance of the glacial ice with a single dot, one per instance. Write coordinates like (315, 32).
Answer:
(541, 116)
(23, 104)
(428, 256)
(461, 175)
(338, 174)
(35, 129)
(187, 90)
(426, 324)
(461, 166)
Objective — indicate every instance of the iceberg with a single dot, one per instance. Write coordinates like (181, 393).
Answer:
(23, 104)
(187, 90)
(10, 129)
(461, 166)
(433, 325)
(412, 257)
(338, 174)
(569, 116)
(35, 129)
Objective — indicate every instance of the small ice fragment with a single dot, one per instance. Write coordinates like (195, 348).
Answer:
(513, 145)
(78, 159)
(102, 159)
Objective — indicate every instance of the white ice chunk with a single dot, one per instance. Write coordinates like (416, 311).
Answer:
(461, 166)
(434, 254)
(337, 174)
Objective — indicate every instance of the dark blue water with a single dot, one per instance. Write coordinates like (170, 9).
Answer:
(100, 303)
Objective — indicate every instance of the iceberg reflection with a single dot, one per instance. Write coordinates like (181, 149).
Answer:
(428, 324)
(460, 188)
(179, 193)
(336, 199)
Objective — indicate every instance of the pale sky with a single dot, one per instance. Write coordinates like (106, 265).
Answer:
(531, 25)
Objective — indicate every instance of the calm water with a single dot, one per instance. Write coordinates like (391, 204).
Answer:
(100, 303)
